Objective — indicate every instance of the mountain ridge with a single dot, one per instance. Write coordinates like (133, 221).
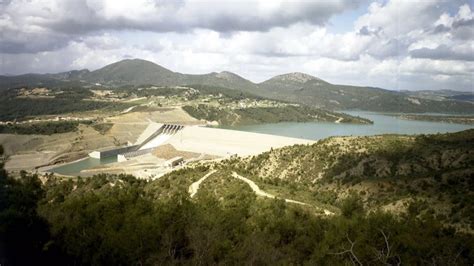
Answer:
(295, 87)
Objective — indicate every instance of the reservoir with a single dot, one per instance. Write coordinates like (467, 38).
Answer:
(383, 124)
(75, 167)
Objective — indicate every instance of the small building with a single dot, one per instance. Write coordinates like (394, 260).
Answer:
(174, 161)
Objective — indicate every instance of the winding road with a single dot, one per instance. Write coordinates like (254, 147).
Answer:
(194, 187)
(260, 192)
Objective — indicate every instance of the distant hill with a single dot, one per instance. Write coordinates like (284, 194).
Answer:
(317, 92)
(134, 72)
(442, 95)
(293, 87)
(463, 97)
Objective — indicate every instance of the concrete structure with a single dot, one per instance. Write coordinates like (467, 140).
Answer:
(201, 140)
(174, 162)
(108, 152)
(150, 130)
(225, 142)
(160, 136)
(128, 155)
(121, 158)
(153, 136)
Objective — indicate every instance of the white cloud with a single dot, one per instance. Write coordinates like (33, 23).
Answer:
(51, 24)
(257, 40)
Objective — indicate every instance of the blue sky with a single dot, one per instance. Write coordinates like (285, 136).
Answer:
(344, 22)
(393, 44)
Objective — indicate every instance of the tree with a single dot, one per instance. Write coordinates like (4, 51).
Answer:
(23, 234)
(352, 205)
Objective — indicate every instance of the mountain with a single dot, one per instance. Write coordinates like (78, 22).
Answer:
(222, 79)
(295, 79)
(316, 92)
(292, 87)
(134, 72)
(443, 95)
(39, 80)
(469, 97)
(71, 75)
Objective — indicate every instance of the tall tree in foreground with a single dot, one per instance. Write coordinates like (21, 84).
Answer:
(23, 234)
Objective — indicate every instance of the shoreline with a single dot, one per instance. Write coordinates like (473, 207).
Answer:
(47, 168)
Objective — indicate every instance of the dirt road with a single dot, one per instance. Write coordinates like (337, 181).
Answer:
(194, 187)
(262, 193)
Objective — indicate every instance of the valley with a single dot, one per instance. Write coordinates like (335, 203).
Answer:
(246, 132)
(199, 169)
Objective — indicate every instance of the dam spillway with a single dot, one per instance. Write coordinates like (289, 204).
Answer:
(154, 136)
(160, 136)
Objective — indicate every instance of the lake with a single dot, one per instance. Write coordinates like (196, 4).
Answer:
(75, 167)
(383, 124)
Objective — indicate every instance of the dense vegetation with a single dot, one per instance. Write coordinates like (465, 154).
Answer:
(102, 128)
(69, 101)
(147, 90)
(432, 172)
(315, 92)
(229, 93)
(397, 200)
(42, 128)
(458, 119)
(120, 220)
(255, 115)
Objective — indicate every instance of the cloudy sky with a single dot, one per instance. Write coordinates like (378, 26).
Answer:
(393, 44)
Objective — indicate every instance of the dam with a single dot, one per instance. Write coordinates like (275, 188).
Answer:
(225, 142)
(153, 136)
(198, 139)
(159, 144)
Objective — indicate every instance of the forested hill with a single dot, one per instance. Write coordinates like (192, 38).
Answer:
(433, 174)
(393, 200)
(294, 87)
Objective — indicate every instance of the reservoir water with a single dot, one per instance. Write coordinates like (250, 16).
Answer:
(75, 167)
(383, 124)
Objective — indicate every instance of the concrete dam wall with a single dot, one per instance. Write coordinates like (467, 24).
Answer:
(111, 151)
(153, 136)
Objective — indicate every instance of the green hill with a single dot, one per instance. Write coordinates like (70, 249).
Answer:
(316, 92)
(258, 115)
(294, 87)
(395, 200)
(134, 72)
(433, 173)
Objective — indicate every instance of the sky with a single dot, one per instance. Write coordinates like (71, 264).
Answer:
(392, 44)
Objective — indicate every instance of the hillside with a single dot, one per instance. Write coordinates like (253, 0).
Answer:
(257, 115)
(442, 95)
(294, 87)
(383, 200)
(432, 173)
(134, 72)
(322, 94)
